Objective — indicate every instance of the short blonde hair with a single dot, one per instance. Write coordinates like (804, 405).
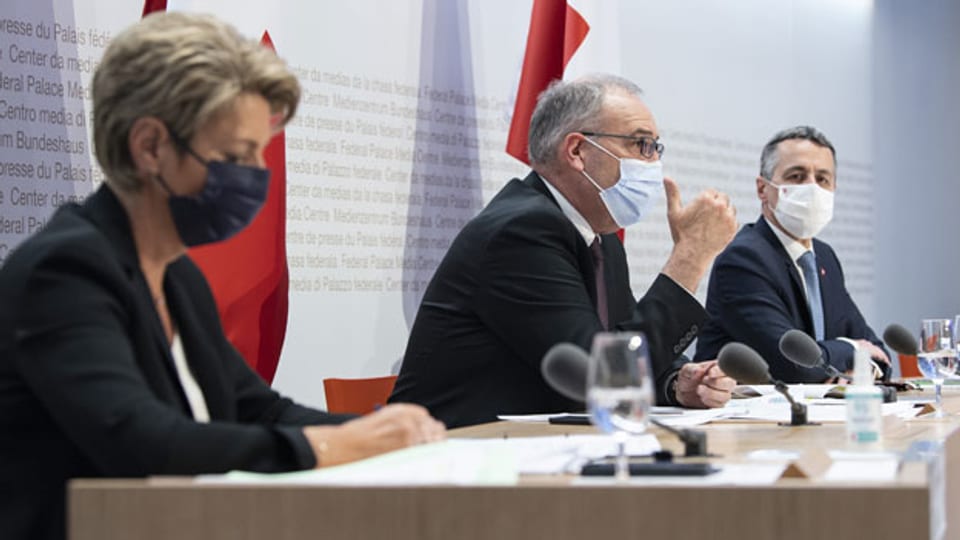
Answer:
(182, 69)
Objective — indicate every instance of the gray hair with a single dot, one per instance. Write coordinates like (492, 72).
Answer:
(769, 158)
(182, 69)
(568, 106)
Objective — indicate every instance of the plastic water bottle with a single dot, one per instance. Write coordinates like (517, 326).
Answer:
(864, 400)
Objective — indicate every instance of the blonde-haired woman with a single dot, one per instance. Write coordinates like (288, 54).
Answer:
(112, 358)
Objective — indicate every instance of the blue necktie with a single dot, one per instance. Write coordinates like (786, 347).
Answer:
(808, 264)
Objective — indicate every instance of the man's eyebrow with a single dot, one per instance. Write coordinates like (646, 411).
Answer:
(642, 131)
(804, 168)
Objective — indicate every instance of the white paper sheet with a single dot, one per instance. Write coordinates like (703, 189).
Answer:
(448, 462)
(775, 408)
(862, 467)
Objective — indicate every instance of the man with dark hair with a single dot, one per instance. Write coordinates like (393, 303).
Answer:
(775, 276)
(541, 265)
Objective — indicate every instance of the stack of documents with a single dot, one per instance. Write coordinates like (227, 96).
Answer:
(460, 462)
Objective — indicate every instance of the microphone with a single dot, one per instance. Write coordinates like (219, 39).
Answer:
(743, 364)
(801, 349)
(901, 340)
(746, 366)
(564, 367)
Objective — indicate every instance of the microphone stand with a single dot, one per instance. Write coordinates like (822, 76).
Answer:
(798, 411)
(694, 441)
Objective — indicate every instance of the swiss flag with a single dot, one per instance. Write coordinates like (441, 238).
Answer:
(149, 6)
(248, 273)
(556, 32)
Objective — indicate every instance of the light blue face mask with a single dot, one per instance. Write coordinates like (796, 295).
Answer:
(630, 198)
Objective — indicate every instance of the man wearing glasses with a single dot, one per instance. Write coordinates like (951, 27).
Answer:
(776, 276)
(541, 264)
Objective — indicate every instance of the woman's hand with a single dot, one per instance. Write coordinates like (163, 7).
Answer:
(393, 427)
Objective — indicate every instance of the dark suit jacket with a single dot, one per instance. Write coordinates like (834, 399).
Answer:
(517, 280)
(755, 295)
(87, 383)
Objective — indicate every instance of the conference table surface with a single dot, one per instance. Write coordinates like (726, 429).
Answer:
(797, 506)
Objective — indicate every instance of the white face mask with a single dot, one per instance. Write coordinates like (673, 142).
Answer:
(803, 209)
(631, 197)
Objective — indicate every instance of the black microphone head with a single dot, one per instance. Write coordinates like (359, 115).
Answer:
(900, 340)
(800, 348)
(564, 367)
(743, 364)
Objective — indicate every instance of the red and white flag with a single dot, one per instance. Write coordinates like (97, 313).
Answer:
(248, 273)
(556, 32)
(566, 39)
(149, 6)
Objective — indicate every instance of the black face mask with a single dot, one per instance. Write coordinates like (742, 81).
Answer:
(231, 197)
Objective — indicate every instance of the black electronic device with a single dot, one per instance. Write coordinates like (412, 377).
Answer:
(649, 468)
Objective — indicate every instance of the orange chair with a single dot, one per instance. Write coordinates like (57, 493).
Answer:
(358, 396)
(908, 366)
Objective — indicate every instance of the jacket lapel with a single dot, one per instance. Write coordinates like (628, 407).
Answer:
(799, 292)
(105, 211)
(582, 251)
(196, 344)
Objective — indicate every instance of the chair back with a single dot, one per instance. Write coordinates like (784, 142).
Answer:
(908, 366)
(357, 396)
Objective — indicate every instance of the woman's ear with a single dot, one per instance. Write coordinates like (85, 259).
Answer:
(144, 140)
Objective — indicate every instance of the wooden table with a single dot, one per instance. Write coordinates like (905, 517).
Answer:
(546, 507)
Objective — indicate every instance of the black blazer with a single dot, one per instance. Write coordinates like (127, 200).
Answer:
(517, 280)
(87, 383)
(755, 295)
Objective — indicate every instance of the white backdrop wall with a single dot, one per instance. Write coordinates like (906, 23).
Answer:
(400, 136)
(916, 137)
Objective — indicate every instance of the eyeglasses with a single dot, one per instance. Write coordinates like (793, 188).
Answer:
(647, 145)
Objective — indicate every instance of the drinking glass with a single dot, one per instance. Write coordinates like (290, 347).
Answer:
(956, 336)
(937, 358)
(620, 389)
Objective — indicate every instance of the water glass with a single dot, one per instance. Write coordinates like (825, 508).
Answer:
(937, 358)
(620, 389)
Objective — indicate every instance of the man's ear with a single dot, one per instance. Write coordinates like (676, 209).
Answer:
(761, 185)
(570, 151)
(144, 141)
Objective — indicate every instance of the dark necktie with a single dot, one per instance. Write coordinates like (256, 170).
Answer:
(808, 263)
(597, 251)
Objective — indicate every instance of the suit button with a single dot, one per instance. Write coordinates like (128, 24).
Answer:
(676, 349)
(694, 329)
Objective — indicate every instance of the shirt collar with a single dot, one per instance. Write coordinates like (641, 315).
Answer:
(568, 210)
(794, 248)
